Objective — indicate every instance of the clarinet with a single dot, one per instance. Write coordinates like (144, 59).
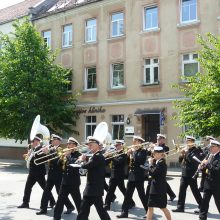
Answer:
(199, 161)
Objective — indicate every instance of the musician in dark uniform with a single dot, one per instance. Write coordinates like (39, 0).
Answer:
(206, 153)
(212, 180)
(118, 164)
(71, 178)
(94, 189)
(158, 191)
(189, 167)
(54, 176)
(136, 175)
(161, 138)
(36, 173)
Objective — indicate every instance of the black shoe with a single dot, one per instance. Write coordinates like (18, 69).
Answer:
(106, 207)
(69, 211)
(52, 204)
(41, 212)
(172, 198)
(123, 215)
(23, 205)
(196, 211)
(178, 210)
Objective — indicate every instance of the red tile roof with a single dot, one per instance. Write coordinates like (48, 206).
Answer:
(16, 11)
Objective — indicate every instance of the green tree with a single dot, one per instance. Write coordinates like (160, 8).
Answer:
(200, 108)
(31, 84)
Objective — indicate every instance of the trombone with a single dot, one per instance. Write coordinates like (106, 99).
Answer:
(53, 155)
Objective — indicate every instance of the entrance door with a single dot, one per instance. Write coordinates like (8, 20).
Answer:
(151, 124)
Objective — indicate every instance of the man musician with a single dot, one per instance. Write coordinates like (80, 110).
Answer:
(71, 178)
(118, 164)
(54, 176)
(136, 175)
(36, 173)
(94, 189)
(212, 179)
(189, 167)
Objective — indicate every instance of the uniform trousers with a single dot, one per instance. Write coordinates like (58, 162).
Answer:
(65, 190)
(184, 183)
(139, 185)
(205, 202)
(51, 182)
(170, 191)
(31, 180)
(87, 202)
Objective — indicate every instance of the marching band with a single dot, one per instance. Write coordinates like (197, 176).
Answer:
(145, 161)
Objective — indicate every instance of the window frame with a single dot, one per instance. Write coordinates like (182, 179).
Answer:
(48, 42)
(69, 35)
(144, 18)
(181, 13)
(119, 123)
(112, 75)
(118, 24)
(93, 29)
(151, 66)
(86, 79)
(90, 124)
(190, 61)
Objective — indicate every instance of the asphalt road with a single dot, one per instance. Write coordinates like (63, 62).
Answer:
(13, 177)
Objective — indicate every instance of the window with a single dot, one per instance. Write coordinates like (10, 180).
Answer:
(117, 24)
(69, 86)
(151, 71)
(90, 125)
(90, 30)
(150, 18)
(67, 35)
(117, 75)
(190, 65)
(90, 79)
(47, 38)
(188, 10)
(117, 127)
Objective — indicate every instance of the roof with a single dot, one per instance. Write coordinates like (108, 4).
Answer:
(64, 5)
(17, 11)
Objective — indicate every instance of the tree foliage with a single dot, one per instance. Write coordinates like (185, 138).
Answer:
(200, 108)
(31, 84)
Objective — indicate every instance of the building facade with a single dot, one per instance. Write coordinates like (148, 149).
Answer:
(125, 56)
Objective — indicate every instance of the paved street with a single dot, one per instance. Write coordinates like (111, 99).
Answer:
(13, 177)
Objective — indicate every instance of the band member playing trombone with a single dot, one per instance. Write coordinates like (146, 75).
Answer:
(189, 167)
(54, 176)
(94, 189)
(161, 138)
(212, 180)
(71, 178)
(157, 192)
(36, 173)
(136, 175)
(117, 172)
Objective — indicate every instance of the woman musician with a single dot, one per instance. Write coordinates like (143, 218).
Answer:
(71, 178)
(157, 194)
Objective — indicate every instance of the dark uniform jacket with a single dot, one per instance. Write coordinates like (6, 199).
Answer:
(137, 173)
(71, 175)
(54, 170)
(95, 175)
(37, 169)
(118, 166)
(158, 173)
(212, 180)
(189, 165)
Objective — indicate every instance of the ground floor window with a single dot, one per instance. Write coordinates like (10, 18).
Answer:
(90, 125)
(117, 127)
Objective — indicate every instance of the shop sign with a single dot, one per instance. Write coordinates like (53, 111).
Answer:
(91, 110)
